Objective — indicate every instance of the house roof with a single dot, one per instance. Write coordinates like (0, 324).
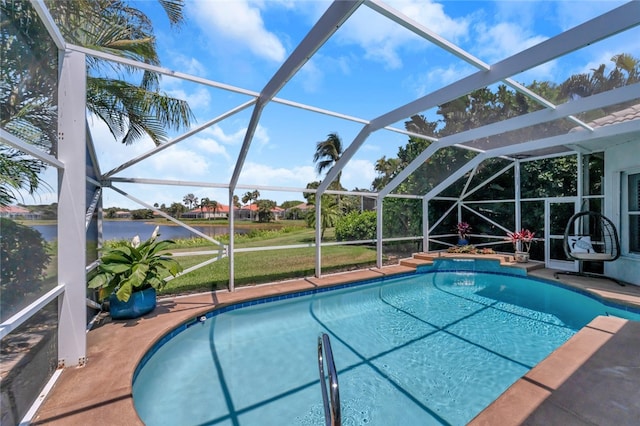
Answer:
(301, 206)
(254, 208)
(14, 210)
(627, 114)
(221, 208)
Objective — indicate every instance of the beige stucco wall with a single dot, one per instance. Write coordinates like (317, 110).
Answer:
(621, 158)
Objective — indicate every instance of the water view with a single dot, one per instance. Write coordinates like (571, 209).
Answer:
(127, 229)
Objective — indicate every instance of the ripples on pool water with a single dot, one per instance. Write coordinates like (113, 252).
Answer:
(433, 348)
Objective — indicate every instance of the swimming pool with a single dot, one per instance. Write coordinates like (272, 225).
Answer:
(429, 348)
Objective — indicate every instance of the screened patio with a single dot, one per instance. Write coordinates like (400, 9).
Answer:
(492, 176)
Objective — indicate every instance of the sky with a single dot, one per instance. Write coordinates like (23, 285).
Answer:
(370, 66)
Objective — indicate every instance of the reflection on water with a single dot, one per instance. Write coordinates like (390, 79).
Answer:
(127, 229)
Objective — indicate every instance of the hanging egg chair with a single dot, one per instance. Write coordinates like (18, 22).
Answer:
(590, 237)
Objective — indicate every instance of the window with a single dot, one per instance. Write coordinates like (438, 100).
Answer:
(633, 212)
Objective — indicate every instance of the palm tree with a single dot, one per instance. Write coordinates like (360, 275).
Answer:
(18, 172)
(236, 202)
(387, 169)
(29, 74)
(626, 71)
(131, 110)
(327, 153)
(204, 203)
(330, 212)
(250, 196)
(214, 207)
(190, 200)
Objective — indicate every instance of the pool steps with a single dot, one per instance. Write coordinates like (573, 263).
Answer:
(506, 260)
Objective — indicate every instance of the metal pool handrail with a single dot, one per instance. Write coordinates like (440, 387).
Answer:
(332, 416)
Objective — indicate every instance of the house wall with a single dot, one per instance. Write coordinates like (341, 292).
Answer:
(618, 159)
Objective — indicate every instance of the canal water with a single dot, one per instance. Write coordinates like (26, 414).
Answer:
(127, 229)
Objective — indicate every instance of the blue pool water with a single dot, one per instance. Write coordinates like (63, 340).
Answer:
(430, 348)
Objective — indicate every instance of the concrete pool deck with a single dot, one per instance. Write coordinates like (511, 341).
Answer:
(596, 371)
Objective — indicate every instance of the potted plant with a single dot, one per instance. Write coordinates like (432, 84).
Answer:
(521, 241)
(129, 275)
(463, 229)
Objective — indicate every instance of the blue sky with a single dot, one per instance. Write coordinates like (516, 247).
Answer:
(369, 67)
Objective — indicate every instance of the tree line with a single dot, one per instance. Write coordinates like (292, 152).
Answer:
(548, 177)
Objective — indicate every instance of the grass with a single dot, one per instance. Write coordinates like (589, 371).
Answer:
(266, 266)
(261, 266)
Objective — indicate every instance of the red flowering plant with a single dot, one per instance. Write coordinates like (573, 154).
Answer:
(463, 229)
(521, 240)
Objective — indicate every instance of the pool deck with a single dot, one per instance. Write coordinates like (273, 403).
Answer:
(594, 378)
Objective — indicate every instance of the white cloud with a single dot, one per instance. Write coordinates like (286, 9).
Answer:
(438, 77)
(504, 39)
(238, 21)
(265, 175)
(199, 99)
(211, 146)
(382, 38)
(571, 14)
(311, 77)
(214, 138)
(358, 174)
(189, 65)
(218, 134)
(180, 163)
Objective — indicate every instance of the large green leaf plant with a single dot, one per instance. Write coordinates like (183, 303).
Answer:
(135, 266)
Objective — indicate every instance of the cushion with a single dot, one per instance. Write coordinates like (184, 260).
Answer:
(592, 256)
(580, 244)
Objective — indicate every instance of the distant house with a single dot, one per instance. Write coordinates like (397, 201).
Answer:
(297, 211)
(246, 212)
(122, 214)
(250, 211)
(278, 212)
(17, 212)
(220, 212)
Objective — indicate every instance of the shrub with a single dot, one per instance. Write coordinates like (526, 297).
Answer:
(356, 226)
(24, 258)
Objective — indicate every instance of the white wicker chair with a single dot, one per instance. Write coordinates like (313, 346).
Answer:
(590, 237)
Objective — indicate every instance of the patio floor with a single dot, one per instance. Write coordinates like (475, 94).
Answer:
(594, 378)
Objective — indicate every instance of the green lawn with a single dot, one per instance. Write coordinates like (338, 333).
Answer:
(263, 266)
(267, 266)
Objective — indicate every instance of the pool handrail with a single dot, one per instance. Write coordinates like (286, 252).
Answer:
(331, 404)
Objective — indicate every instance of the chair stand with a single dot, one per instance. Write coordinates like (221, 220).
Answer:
(590, 237)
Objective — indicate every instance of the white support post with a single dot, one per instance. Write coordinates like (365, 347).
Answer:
(72, 236)
(518, 197)
(379, 204)
(231, 254)
(425, 224)
(318, 234)
(580, 184)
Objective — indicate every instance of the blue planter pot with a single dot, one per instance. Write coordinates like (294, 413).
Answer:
(463, 242)
(140, 303)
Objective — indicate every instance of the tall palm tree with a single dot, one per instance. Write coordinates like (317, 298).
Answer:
(29, 68)
(625, 72)
(190, 200)
(214, 207)
(250, 196)
(204, 203)
(236, 202)
(387, 169)
(131, 109)
(327, 153)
